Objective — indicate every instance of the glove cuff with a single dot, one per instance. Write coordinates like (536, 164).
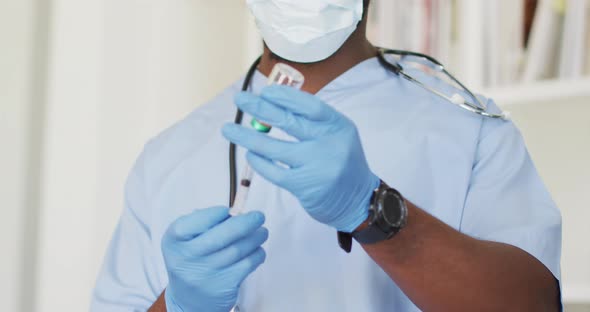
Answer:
(362, 212)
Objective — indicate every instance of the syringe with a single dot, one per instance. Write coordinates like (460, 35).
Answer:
(281, 74)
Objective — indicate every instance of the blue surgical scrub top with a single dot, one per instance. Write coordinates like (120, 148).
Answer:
(471, 172)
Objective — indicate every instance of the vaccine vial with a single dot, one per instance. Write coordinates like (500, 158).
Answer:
(281, 74)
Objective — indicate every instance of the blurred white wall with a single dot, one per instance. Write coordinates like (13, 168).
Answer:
(21, 110)
(118, 72)
(15, 19)
(558, 137)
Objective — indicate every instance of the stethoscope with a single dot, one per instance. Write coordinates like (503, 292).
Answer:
(475, 105)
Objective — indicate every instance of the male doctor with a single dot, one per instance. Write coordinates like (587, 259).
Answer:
(446, 209)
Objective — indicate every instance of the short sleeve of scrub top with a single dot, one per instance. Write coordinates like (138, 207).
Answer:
(507, 201)
(128, 280)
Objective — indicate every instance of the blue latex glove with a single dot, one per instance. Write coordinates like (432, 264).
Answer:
(208, 255)
(327, 171)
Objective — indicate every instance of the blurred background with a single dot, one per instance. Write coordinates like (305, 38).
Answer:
(85, 83)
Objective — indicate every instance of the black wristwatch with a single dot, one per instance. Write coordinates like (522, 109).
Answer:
(388, 214)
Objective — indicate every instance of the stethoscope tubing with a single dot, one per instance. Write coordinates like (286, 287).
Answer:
(477, 107)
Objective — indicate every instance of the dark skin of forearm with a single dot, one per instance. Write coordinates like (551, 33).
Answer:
(159, 305)
(441, 269)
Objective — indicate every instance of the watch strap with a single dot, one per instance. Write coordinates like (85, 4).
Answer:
(373, 234)
(345, 241)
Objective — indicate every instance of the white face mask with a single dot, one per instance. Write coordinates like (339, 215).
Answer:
(306, 31)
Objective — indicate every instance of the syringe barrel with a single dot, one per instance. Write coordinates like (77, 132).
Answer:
(281, 74)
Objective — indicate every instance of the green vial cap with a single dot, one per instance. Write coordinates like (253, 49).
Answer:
(260, 127)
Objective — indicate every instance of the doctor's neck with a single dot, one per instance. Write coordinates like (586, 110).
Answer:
(317, 75)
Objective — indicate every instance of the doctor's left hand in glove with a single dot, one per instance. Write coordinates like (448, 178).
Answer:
(208, 255)
(326, 167)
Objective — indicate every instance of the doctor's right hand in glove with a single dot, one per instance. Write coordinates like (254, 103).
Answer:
(327, 169)
(208, 255)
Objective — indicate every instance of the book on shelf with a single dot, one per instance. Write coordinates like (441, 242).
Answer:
(573, 53)
(542, 48)
(490, 43)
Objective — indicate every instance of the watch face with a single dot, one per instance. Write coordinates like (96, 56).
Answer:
(391, 209)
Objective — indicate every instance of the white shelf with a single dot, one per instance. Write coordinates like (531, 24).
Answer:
(576, 294)
(542, 91)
